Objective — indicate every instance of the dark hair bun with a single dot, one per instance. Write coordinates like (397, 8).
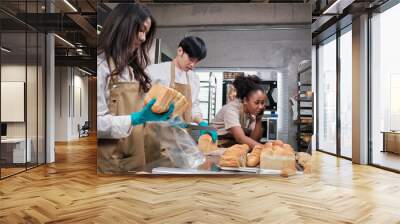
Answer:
(244, 85)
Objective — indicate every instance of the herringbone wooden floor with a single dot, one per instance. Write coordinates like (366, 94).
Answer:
(69, 191)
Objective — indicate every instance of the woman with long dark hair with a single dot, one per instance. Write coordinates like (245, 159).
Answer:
(123, 43)
(239, 121)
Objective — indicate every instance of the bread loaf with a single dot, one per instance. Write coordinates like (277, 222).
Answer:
(237, 150)
(235, 156)
(164, 97)
(304, 159)
(281, 151)
(268, 151)
(253, 159)
(277, 142)
(268, 145)
(230, 162)
(206, 144)
(181, 105)
(278, 157)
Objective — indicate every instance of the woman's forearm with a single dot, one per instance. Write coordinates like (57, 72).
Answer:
(256, 134)
(246, 140)
(241, 138)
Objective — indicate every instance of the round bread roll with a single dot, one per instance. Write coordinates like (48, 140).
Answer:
(252, 160)
(303, 157)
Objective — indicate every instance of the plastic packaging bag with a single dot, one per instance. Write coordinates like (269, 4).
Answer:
(181, 149)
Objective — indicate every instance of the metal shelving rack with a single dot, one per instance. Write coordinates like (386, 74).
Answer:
(305, 102)
(212, 96)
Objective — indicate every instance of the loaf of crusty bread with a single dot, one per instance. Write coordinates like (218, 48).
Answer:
(164, 97)
(268, 151)
(181, 104)
(281, 151)
(268, 145)
(235, 156)
(278, 157)
(277, 142)
(276, 162)
(237, 150)
(253, 159)
(230, 162)
(206, 144)
(304, 159)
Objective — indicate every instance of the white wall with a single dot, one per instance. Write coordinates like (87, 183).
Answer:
(70, 83)
(33, 127)
(16, 72)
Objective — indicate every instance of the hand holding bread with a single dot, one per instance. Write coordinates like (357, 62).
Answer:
(164, 97)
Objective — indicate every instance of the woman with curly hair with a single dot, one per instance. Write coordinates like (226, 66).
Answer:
(239, 121)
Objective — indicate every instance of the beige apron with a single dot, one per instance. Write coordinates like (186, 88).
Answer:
(118, 156)
(184, 89)
(151, 131)
(228, 141)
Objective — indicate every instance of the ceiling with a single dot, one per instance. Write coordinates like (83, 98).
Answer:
(326, 24)
(76, 24)
(210, 1)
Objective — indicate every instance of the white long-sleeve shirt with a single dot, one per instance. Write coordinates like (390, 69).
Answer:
(161, 73)
(109, 126)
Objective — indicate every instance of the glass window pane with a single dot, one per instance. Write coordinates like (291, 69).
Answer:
(15, 150)
(346, 94)
(31, 96)
(385, 89)
(327, 96)
(41, 98)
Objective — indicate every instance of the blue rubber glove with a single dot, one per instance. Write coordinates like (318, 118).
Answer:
(213, 134)
(146, 114)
